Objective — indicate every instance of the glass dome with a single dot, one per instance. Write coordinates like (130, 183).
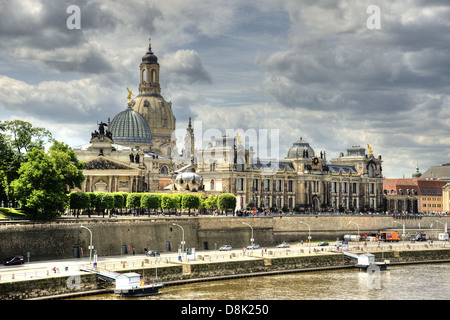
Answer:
(130, 127)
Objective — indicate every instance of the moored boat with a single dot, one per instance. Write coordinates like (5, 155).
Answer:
(130, 285)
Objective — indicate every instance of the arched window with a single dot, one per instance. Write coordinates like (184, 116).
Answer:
(164, 170)
(143, 76)
(371, 170)
(153, 76)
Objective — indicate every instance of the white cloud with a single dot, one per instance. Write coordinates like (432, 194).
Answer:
(185, 67)
(310, 68)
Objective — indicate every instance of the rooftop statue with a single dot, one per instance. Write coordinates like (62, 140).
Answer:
(370, 149)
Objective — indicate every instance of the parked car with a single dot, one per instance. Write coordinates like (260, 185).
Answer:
(152, 253)
(225, 248)
(323, 244)
(14, 260)
(283, 245)
(255, 246)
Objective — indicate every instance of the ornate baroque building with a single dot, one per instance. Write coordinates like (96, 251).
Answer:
(131, 153)
(302, 180)
(135, 152)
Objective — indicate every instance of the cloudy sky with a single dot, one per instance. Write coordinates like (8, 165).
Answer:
(307, 68)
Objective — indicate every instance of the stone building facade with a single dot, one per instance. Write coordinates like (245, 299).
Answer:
(416, 194)
(301, 181)
(136, 152)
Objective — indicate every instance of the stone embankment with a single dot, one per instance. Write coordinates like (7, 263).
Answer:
(203, 270)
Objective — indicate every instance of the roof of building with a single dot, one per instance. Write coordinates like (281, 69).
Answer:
(423, 186)
(149, 57)
(130, 127)
(342, 169)
(441, 172)
(298, 148)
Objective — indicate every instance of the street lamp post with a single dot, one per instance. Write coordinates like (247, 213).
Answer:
(251, 239)
(90, 246)
(357, 225)
(404, 233)
(182, 238)
(445, 225)
(309, 236)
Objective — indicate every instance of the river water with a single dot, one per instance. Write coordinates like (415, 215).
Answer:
(411, 282)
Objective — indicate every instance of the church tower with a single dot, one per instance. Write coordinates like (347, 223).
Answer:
(152, 106)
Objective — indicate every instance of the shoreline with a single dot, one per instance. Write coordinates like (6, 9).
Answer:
(235, 276)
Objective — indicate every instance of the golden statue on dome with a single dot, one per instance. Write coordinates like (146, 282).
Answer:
(130, 93)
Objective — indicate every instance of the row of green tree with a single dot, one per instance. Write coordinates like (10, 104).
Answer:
(36, 178)
(106, 203)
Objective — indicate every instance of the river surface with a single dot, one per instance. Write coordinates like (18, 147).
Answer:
(411, 282)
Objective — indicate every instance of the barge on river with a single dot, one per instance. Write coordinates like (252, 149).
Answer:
(130, 285)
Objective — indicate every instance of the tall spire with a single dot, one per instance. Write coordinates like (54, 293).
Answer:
(149, 69)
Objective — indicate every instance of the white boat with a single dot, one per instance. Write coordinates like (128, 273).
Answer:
(130, 285)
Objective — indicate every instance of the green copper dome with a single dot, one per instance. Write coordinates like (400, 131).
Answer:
(130, 127)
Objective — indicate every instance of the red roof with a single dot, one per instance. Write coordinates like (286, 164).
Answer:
(421, 185)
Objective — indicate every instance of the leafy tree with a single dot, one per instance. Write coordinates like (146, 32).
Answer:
(39, 188)
(92, 200)
(226, 201)
(44, 178)
(67, 164)
(176, 198)
(25, 137)
(134, 200)
(107, 202)
(190, 201)
(150, 201)
(119, 200)
(167, 202)
(78, 201)
(16, 139)
(211, 202)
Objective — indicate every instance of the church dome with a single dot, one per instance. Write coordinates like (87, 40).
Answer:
(300, 149)
(130, 127)
(149, 57)
(417, 174)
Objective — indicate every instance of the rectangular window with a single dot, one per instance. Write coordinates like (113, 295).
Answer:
(279, 203)
(266, 185)
(290, 185)
(240, 183)
(255, 185)
(278, 185)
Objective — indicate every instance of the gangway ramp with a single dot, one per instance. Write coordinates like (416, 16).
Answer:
(101, 273)
(351, 256)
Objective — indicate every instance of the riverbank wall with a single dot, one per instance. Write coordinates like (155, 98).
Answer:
(64, 239)
(59, 287)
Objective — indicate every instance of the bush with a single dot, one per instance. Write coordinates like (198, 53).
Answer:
(190, 201)
(227, 201)
(150, 201)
